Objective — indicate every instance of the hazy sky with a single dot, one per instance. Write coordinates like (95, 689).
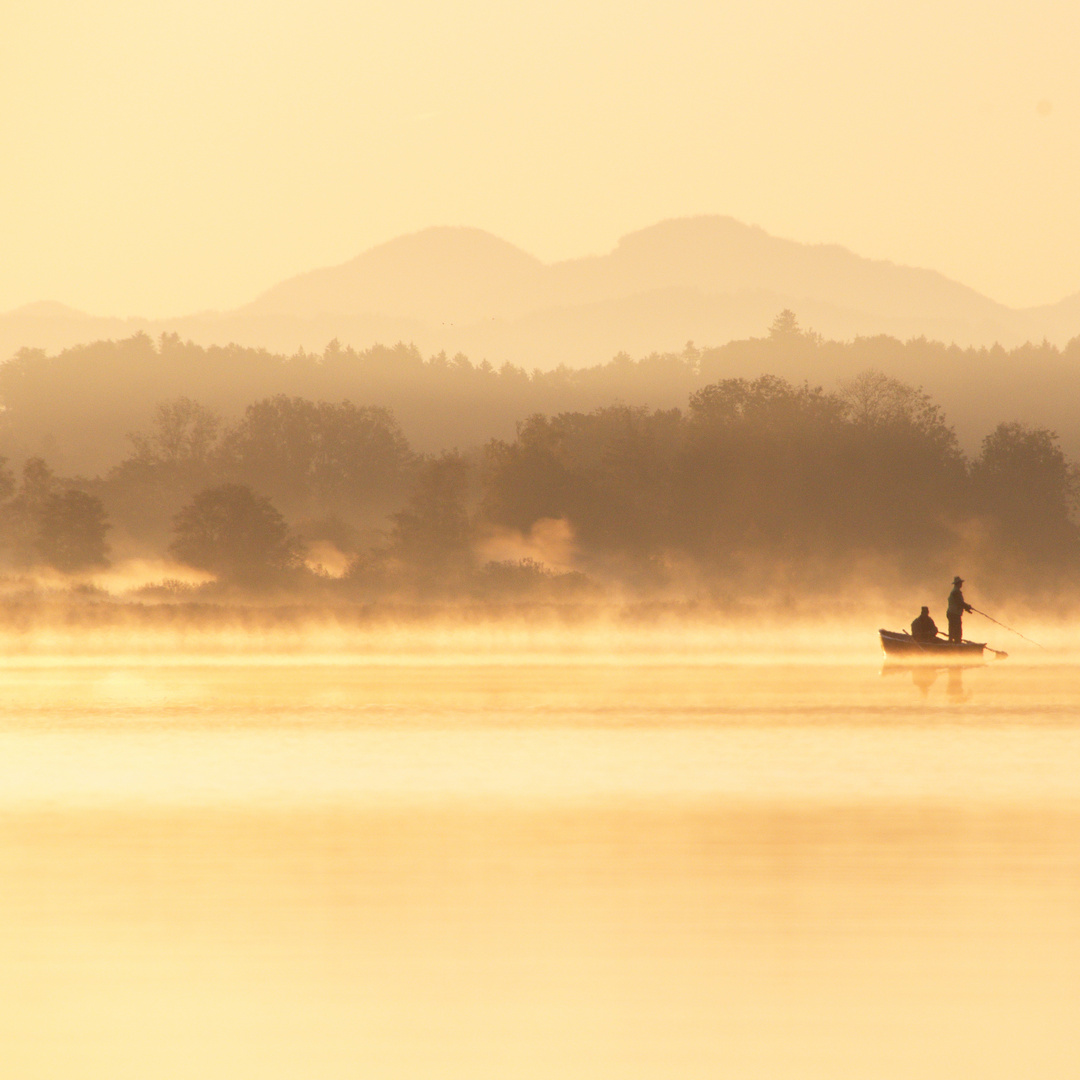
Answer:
(159, 158)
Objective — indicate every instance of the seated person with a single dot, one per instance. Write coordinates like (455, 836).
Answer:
(924, 628)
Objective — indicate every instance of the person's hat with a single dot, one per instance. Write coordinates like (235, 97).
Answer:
(958, 581)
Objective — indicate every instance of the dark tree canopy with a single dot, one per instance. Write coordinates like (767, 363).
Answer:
(182, 436)
(764, 476)
(1024, 487)
(72, 528)
(433, 532)
(610, 472)
(234, 533)
(317, 455)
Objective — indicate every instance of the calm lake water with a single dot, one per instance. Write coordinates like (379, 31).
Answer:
(514, 853)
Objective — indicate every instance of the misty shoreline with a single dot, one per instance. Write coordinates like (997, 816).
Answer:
(670, 479)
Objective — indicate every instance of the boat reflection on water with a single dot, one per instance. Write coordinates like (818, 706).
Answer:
(926, 660)
(925, 675)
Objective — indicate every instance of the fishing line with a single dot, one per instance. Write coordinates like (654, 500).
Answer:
(1004, 627)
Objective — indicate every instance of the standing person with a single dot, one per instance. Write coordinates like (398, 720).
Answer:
(957, 607)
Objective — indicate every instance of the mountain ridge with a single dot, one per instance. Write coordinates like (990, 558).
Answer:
(463, 289)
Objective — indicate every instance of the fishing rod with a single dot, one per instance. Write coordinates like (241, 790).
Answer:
(1004, 627)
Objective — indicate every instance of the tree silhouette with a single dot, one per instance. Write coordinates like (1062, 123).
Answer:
(608, 472)
(72, 528)
(903, 469)
(22, 524)
(785, 326)
(433, 532)
(233, 533)
(1024, 484)
(873, 399)
(318, 455)
(182, 436)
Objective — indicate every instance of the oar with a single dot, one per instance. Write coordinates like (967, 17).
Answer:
(1004, 627)
(997, 652)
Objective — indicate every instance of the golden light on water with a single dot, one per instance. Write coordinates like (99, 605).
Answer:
(527, 850)
(593, 943)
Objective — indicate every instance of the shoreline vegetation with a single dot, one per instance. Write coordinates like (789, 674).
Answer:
(751, 495)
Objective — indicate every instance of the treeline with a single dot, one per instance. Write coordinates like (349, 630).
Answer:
(754, 489)
(765, 486)
(76, 408)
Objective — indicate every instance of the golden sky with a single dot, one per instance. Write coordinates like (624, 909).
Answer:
(160, 158)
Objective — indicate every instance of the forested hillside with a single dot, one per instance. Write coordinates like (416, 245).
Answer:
(380, 474)
(76, 407)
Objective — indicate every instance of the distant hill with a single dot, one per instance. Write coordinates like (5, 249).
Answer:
(706, 279)
(52, 326)
(438, 276)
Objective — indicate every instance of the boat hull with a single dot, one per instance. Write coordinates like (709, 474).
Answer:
(903, 647)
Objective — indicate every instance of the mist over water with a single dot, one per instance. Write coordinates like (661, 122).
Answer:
(460, 658)
(525, 848)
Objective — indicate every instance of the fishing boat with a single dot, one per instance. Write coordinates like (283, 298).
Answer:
(902, 646)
